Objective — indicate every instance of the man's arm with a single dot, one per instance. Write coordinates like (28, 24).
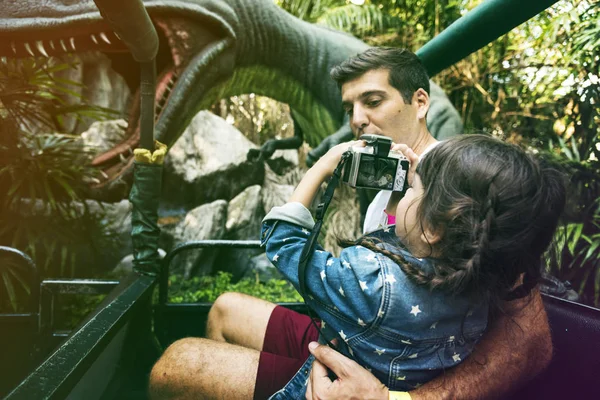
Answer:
(514, 350)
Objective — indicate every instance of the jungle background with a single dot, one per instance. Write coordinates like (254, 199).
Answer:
(537, 86)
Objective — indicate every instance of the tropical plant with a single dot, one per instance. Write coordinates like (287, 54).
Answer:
(42, 174)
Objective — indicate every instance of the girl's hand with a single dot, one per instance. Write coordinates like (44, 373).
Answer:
(322, 170)
(331, 159)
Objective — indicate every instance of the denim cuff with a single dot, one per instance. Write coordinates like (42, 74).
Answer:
(294, 213)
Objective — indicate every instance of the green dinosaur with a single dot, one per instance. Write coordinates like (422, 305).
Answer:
(209, 49)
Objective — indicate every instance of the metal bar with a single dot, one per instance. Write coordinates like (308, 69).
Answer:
(482, 25)
(147, 87)
(78, 286)
(52, 287)
(163, 282)
(34, 286)
(61, 371)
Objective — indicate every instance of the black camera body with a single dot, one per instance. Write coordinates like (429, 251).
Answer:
(375, 166)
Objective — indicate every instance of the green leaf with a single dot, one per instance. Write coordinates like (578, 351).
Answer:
(20, 279)
(575, 230)
(10, 291)
(591, 251)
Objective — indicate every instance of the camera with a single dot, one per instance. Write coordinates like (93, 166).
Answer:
(375, 166)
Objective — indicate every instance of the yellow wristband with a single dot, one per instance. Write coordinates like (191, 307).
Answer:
(399, 396)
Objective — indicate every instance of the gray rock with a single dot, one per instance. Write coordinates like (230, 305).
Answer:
(282, 161)
(244, 217)
(260, 266)
(204, 222)
(104, 135)
(208, 162)
(277, 189)
(125, 266)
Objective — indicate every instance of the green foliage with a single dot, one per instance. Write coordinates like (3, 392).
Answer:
(579, 261)
(43, 174)
(74, 308)
(208, 288)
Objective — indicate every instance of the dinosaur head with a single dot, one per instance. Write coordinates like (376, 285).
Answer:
(208, 49)
(56, 28)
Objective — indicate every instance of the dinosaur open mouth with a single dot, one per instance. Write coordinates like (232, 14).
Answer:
(99, 38)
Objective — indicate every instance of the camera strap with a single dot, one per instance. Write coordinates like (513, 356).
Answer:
(309, 246)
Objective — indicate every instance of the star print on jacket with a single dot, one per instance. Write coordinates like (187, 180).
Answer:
(415, 310)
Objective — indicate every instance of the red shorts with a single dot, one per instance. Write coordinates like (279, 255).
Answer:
(284, 351)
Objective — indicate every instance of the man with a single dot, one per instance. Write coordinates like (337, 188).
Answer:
(385, 91)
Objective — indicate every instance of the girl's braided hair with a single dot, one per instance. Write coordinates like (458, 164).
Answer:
(497, 208)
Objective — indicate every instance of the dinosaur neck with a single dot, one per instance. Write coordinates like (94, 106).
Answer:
(300, 51)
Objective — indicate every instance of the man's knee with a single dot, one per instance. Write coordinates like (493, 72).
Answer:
(179, 360)
(224, 304)
(229, 301)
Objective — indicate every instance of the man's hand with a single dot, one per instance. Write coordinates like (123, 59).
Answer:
(353, 381)
(413, 159)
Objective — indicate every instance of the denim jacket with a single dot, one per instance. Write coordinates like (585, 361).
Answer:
(403, 333)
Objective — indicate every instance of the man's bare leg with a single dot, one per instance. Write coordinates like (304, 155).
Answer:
(239, 319)
(198, 369)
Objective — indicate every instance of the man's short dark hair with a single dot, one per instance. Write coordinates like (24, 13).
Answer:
(407, 72)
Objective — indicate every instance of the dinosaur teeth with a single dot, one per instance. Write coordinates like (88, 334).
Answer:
(28, 48)
(64, 47)
(72, 41)
(104, 37)
(52, 45)
(40, 46)
(104, 174)
(122, 158)
(94, 38)
(3, 60)
(117, 35)
(13, 47)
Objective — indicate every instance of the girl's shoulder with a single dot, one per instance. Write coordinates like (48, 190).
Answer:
(386, 239)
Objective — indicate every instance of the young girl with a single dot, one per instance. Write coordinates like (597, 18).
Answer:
(411, 301)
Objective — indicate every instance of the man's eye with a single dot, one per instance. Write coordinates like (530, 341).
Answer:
(373, 103)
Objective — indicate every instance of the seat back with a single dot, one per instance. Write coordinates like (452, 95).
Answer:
(574, 371)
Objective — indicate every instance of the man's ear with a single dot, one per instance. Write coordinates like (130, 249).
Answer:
(421, 99)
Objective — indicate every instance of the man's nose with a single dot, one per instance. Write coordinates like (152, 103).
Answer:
(360, 118)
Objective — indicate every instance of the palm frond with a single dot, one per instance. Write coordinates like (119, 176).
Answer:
(359, 20)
